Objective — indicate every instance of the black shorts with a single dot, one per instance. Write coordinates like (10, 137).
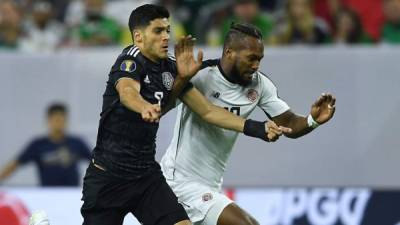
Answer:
(107, 200)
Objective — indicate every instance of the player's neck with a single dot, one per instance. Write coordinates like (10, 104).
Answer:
(147, 55)
(226, 70)
(56, 136)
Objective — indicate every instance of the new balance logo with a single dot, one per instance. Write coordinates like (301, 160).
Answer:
(215, 94)
(147, 80)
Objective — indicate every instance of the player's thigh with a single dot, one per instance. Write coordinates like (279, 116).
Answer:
(159, 205)
(234, 215)
(92, 212)
(218, 203)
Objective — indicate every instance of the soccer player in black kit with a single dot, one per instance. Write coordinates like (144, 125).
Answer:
(123, 176)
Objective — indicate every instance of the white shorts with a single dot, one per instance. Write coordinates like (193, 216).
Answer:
(202, 203)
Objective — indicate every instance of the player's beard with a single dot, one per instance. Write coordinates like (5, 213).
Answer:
(237, 77)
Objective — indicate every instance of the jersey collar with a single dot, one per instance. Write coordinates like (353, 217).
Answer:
(228, 78)
(223, 73)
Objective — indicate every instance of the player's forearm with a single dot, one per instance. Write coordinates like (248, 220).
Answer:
(132, 100)
(224, 119)
(8, 170)
(211, 113)
(221, 117)
(299, 127)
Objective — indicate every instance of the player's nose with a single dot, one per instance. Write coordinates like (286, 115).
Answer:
(166, 36)
(255, 65)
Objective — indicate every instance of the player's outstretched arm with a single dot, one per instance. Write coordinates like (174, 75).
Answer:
(224, 119)
(187, 67)
(129, 94)
(8, 170)
(321, 112)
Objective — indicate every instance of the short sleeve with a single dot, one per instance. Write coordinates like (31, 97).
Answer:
(29, 154)
(126, 67)
(270, 102)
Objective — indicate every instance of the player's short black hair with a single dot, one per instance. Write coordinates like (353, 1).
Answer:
(56, 108)
(143, 15)
(238, 31)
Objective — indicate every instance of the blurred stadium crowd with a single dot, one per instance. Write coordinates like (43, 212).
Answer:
(48, 25)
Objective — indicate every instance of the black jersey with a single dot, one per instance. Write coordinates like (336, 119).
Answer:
(126, 143)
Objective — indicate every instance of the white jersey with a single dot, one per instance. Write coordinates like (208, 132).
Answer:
(200, 150)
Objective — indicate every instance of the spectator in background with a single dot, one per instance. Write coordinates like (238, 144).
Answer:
(96, 29)
(55, 155)
(43, 33)
(348, 29)
(327, 9)
(247, 11)
(60, 8)
(300, 26)
(10, 24)
(270, 5)
(190, 12)
(391, 28)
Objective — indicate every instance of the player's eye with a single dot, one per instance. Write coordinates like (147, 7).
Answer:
(158, 30)
(251, 58)
(254, 58)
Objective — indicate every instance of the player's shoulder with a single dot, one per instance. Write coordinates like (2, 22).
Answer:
(208, 67)
(131, 51)
(39, 140)
(171, 61)
(171, 58)
(128, 60)
(203, 75)
(265, 80)
(209, 63)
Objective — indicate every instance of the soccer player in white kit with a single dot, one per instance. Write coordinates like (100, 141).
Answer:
(197, 156)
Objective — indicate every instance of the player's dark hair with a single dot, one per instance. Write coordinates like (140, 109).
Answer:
(143, 15)
(56, 108)
(238, 31)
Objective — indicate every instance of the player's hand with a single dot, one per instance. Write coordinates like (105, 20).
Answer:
(185, 62)
(151, 113)
(274, 131)
(323, 109)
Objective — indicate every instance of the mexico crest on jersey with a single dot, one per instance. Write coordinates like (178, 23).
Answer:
(252, 95)
(168, 80)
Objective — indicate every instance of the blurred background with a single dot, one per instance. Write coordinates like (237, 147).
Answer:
(55, 56)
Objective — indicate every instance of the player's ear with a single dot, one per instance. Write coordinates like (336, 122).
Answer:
(137, 35)
(229, 53)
